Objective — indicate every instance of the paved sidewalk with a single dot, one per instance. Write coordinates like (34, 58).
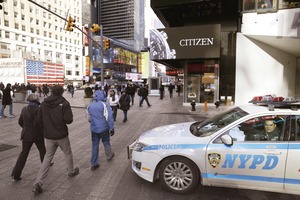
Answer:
(103, 182)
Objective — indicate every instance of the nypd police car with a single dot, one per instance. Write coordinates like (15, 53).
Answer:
(253, 146)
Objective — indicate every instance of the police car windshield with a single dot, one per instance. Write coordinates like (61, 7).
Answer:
(212, 125)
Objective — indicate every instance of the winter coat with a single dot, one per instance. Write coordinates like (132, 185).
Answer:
(55, 113)
(95, 110)
(32, 130)
(124, 102)
(6, 99)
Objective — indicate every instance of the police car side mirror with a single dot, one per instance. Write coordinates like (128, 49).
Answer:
(227, 140)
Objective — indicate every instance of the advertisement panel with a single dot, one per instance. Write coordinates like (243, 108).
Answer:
(185, 42)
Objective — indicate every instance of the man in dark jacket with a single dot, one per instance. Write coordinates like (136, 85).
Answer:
(144, 95)
(55, 113)
(7, 100)
(32, 133)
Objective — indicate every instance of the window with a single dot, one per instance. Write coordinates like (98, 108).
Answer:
(77, 73)
(23, 17)
(295, 128)
(285, 4)
(22, 6)
(6, 23)
(37, 31)
(23, 28)
(31, 30)
(69, 72)
(263, 128)
(16, 26)
(4, 46)
(68, 56)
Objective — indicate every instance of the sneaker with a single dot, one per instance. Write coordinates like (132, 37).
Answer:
(95, 167)
(111, 157)
(11, 116)
(37, 189)
(74, 173)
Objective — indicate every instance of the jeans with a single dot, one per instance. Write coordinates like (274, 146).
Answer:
(115, 110)
(95, 146)
(51, 147)
(132, 99)
(3, 107)
(125, 115)
(146, 99)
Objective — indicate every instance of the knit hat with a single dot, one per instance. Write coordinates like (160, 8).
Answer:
(33, 98)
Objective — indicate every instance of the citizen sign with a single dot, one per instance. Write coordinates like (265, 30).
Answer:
(196, 42)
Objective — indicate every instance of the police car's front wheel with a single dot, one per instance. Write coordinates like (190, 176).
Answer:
(178, 175)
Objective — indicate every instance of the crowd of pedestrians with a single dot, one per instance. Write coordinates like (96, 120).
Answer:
(45, 124)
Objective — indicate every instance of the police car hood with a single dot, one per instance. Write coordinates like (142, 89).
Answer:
(174, 133)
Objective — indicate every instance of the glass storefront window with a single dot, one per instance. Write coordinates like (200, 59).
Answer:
(202, 81)
(260, 5)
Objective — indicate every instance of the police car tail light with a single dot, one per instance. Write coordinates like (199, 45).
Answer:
(278, 99)
(257, 98)
(138, 146)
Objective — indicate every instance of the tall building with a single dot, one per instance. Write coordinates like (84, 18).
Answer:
(30, 32)
(123, 21)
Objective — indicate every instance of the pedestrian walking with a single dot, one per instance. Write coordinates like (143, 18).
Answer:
(161, 91)
(32, 133)
(124, 102)
(7, 101)
(54, 114)
(101, 120)
(130, 90)
(144, 95)
(114, 103)
(72, 89)
(178, 90)
(171, 88)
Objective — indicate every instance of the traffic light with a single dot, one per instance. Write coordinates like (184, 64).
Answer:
(95, 28)
(106, 44)
(1, 1)
(70, 24)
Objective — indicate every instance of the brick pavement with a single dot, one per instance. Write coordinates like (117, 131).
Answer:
(103, 182)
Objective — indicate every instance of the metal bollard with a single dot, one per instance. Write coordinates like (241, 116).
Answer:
(193, 104)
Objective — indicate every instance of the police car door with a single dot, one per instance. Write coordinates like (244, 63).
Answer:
(292, 176)
(251, 162)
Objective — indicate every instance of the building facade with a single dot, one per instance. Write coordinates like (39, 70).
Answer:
(30, 32)
(259, 47)
(123, 21)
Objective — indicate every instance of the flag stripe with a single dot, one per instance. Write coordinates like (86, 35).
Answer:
(39, 73)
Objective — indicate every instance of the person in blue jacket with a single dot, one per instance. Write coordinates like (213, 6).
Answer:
(101, 119)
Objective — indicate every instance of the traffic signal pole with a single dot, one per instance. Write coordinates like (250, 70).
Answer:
(101, 43)
(101, 54)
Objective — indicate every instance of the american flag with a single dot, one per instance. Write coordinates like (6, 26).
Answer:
(40, 73)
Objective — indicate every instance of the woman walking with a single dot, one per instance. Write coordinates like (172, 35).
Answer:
(124, 104)
(113, 102)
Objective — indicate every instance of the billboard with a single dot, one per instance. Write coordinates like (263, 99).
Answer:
(185, 42)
